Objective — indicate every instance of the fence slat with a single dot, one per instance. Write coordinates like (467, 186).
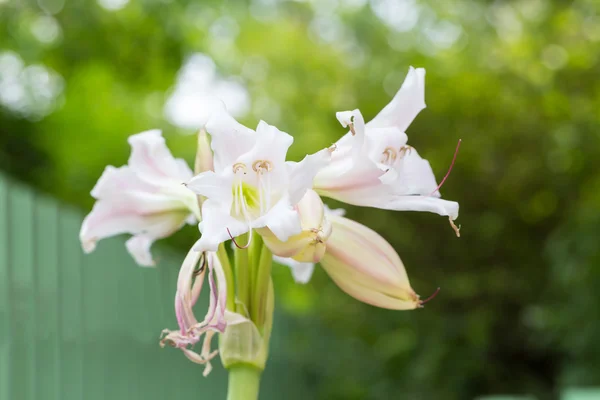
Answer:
(5, 304)
(71, 306)
(47, 294)
(22, 274)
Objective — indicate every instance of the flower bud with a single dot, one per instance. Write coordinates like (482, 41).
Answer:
(309, 245)
(365, 266)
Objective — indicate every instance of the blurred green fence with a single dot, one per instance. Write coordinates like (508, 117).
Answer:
(87, 327)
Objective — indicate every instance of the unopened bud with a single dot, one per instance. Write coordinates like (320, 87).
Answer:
(366, 266)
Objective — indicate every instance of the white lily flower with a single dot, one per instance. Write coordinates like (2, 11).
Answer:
(252, 186)
(145, 198)
(373, 166)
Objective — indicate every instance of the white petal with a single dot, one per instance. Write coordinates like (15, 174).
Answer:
(229, 138)
(303, 173)
(216, 220)
(108, 219)
(345, 117)
(281, 219)
(139, 248)
(271, 145)
(301, 271)
(151, 160)
(405, 105)
(422, 203)
(212, 186)
(114, 181)
(415, 176)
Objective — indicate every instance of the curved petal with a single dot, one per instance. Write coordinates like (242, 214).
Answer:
(114, 181)
(302, 174)
(421, 203)
(151, 160)
(271, 144)
(281, 219)
(212, 186)
(301, 271)
(108, 219)
(229, 138)
(414, 176)
(356, 122)
(139, 248)
(215, 223)
(405, 105)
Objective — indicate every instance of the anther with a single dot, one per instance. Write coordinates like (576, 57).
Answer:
(239, 167)
(351, 126)
(456, 228)
(404, 150)
(430, 297)
(389, 156)
(332, 148)
(261, 165)
(449, 169)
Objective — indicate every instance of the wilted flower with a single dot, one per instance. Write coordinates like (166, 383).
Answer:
(252, 186)
(145, 198)
(373, 165)
(189, 286)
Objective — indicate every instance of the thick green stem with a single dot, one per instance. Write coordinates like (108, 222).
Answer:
(224, 258)
(261, 288)
(244, 382)
(242, 278)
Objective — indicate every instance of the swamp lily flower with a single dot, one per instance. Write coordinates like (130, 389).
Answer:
(373, 165)
(145, 198)
(361, 262)
(252, 186)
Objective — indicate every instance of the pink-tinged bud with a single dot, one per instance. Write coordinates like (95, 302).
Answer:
(310, 244)
(365, 266)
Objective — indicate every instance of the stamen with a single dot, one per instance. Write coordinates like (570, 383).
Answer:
(332, 148)
(456, 228)
(389, 156)
(449, 169)
(239, 167)
(405, 149)
(351, 126)
(430, 297)
(262, 165)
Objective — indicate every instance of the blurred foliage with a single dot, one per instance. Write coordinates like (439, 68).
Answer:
(517, 81)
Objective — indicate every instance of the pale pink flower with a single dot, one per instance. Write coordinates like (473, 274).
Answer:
(145, 198)
(373, 165)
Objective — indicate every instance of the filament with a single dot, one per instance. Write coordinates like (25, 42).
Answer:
(430, 297)
(449, 169)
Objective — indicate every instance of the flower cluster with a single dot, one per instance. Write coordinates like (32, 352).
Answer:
(245, 191)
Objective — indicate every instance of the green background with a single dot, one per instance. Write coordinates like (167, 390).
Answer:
(517, 81)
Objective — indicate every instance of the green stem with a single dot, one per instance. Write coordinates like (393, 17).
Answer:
(242, 277)
(224, 258)
(253, 260)
(244, 382)
(261, 289)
